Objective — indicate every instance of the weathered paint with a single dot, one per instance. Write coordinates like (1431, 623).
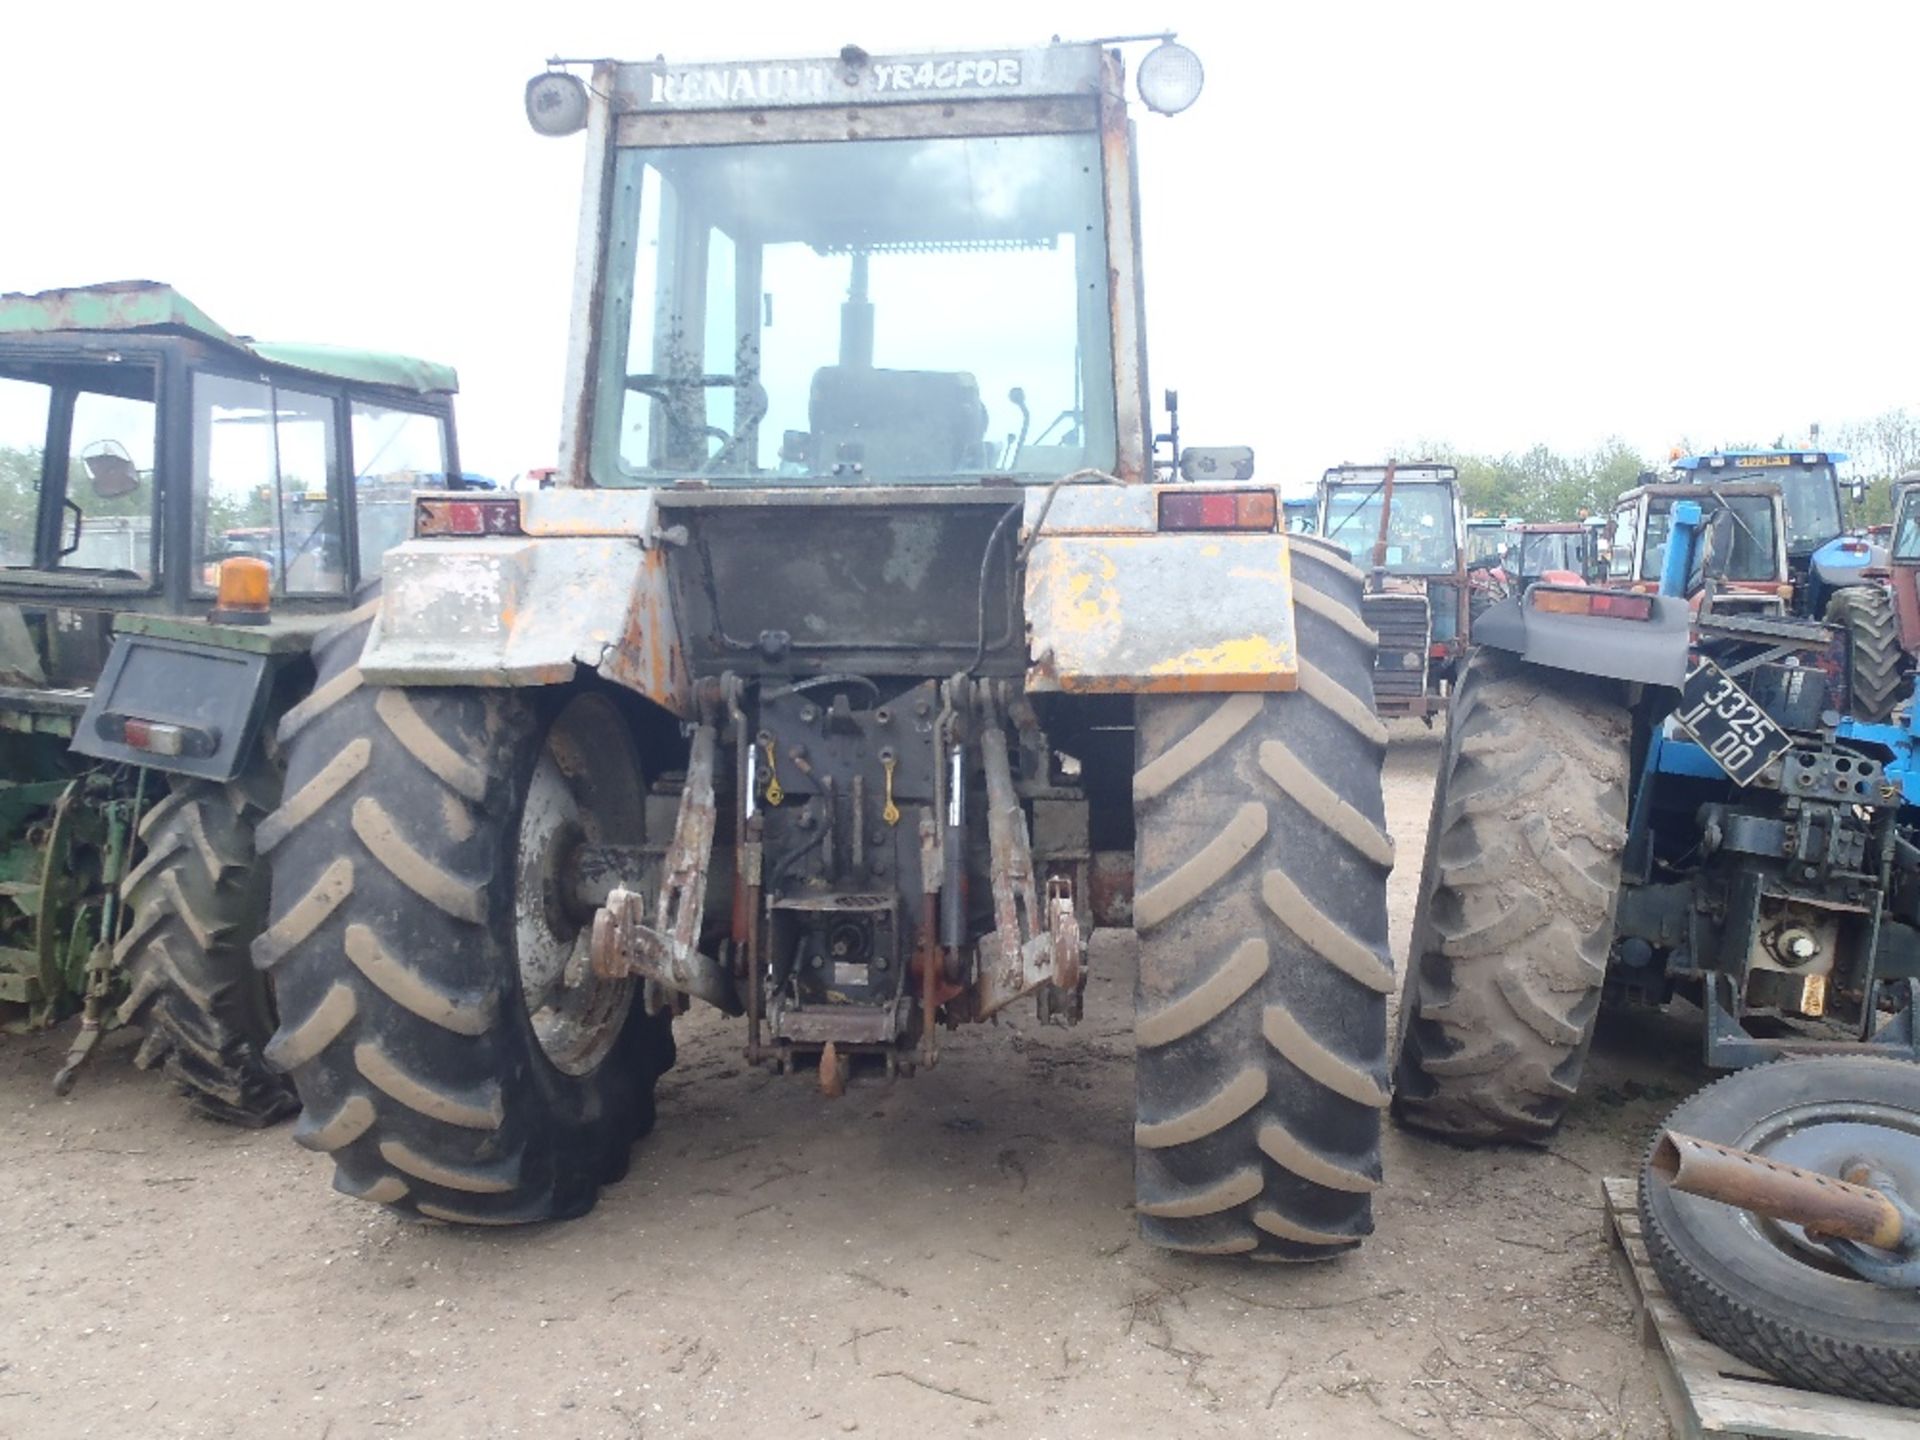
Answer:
(1148, 614)
(527, 612)
(143, 305)
(568, 512)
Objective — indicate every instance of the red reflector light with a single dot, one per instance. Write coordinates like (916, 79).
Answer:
(1241, 510)
(1623, 607)
(1612, 604)
(466, 517)
(155, 738)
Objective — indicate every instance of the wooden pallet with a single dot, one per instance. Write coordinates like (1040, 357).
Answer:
(1712, 1393)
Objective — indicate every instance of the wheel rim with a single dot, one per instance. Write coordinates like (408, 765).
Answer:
(585, 789)
(1827, 1136)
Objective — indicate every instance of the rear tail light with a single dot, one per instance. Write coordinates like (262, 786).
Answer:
(157, 738)
(1611, 604)
(467, 517)
(1217, 510)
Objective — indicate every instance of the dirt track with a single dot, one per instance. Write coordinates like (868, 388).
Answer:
(949, 1255)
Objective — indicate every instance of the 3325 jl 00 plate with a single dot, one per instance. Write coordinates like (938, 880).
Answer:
(1729, 723)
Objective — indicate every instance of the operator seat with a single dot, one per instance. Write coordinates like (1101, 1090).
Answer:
(895, 422)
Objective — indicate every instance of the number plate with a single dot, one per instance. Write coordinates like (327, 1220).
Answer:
(1730, 726)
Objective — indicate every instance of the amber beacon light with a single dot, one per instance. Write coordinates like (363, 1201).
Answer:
(245, 596)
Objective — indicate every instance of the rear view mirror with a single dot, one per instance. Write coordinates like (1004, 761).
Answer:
(1216, 462)
(1858, 489)
(110, 470)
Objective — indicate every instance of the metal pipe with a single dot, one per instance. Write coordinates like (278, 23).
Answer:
(953, 850)
(1824, 1206)
(1386, 517)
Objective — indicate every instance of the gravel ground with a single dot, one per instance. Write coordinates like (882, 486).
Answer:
(947, 1255)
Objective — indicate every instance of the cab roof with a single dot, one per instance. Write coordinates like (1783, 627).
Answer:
(1757, 459)
(1413, 472)
(147, 307)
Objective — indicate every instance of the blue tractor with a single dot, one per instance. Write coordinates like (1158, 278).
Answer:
(1835, 576)
(1646, 799)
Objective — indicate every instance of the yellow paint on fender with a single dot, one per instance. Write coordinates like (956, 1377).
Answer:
(1146, 613)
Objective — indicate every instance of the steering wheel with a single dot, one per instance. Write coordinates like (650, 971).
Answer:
(664, 388)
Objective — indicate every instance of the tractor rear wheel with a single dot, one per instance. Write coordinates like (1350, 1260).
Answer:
(196, 899)
(1876, 660)
(1515, 920)
(453, 1048)
(1260, 901)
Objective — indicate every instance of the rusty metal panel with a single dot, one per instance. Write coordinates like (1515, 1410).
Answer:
(527, 612)
(1152, 614)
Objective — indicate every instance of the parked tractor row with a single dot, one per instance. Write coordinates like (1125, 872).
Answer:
(821, 687)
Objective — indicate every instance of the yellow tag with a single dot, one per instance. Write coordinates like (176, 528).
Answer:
(892, 813)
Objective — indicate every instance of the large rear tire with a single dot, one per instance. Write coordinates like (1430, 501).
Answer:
(1761, 1288)
(1260, 901)
(1515, 920)
(1876, 661)
(454, 1052)
(197, 898)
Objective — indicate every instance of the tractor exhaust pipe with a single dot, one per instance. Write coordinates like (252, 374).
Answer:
(1825, 1207)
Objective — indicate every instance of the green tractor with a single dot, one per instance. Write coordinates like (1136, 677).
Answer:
(182, 514)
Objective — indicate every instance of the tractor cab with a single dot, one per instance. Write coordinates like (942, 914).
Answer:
(142, 445)
(1487, 539)
(1753, 579)
(1403, 525)
(182, 513)
(1562, 552)
(1822, 557)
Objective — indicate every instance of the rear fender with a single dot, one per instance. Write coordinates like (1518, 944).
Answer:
(212, 699)
(1115, 605)
(1648, 652)
(526, 611)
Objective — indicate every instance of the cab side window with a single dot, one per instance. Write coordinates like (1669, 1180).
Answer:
(264, 462)
(395, 453)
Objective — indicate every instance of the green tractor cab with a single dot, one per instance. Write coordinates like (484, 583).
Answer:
(154, 468)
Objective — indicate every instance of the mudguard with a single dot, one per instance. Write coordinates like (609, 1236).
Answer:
(527, 611)
(1648, 652)
(1848, 561)
(1117, 605)
(214, 696)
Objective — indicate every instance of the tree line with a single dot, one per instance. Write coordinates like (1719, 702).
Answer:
(1543, 484)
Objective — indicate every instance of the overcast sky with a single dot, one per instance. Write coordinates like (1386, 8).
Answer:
(1485, 224)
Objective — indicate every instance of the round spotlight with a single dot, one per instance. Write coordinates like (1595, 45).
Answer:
(1170, 78)
(556, 103)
